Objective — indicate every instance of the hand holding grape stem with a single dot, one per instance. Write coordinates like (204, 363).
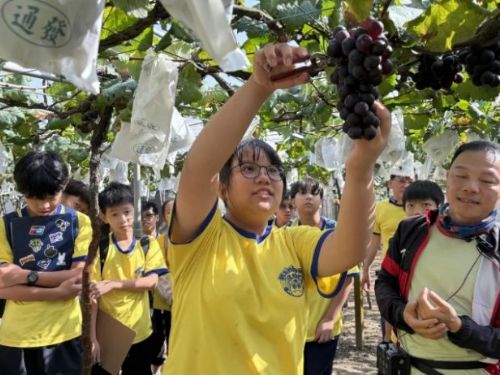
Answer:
(277, 58)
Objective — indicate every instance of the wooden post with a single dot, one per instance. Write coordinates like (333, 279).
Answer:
(98, 138)
(358, 311)
(137, 201)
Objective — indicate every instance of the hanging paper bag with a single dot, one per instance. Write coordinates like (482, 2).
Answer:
(57, 36)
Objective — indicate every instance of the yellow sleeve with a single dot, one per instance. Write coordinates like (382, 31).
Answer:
(376, 226)
(181, 255)
(155, 263)
(83, 239)
(5, 250)
(308, 242)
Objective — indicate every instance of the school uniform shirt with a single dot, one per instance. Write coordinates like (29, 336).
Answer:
(388, 215)
(240, 305)
(317, 303)
(159, 303)
(317, 306)
(42, 323)
(129, 308)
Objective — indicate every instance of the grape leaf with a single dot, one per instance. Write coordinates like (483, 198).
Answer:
(356, 11)
(134, 8)
(447, 22)
(294, 16)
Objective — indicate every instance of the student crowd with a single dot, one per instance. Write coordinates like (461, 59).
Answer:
(235, 282)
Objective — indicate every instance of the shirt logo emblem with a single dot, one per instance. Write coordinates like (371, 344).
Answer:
(61, 259)
(56, 237)
(50, 252)
(44, 264)
(26, 259)
(292, 281)
(62, 224)
(35, 245)
(37, 230)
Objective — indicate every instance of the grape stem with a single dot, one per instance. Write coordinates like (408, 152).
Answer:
(321, 95)
(385, 7)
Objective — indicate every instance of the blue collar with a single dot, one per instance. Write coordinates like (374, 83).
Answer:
(126, 251)
(248, 234)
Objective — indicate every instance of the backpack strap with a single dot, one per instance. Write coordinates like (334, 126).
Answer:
(144, 241)
(7, 219)
(103, 250)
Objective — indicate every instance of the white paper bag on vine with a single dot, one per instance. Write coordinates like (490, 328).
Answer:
(208, 21)
(181, 136)
(140, 148)
(439, 147)
(5, 159)
(326, 153)
(114, 169)
(56, 36)
(154, 96)
(395, 148)
(404, 166)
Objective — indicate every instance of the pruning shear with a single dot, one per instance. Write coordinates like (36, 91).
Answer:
(313, 64)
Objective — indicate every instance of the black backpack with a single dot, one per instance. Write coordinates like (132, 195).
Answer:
(7, 222)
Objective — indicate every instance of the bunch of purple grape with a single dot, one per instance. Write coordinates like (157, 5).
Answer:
(483, 64)
(438, 72)
(361, 56)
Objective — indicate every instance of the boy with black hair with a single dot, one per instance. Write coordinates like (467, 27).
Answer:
(325, 321)
(150, 217)
(420, 196)
(286, 210)
(43, 248)
(76, 195)
(161, 308)
(128, 270)
(307, 196)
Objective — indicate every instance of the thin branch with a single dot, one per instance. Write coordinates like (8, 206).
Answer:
(385, 8)
(20, 87)
(259, 15)
(223, 83)
(35, 74)
(321, 95)
(156, 14)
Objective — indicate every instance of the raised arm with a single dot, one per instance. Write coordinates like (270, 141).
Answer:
(348, 245)
(372, 253)
(198, 186)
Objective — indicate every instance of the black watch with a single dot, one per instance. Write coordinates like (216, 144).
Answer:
(32, 278)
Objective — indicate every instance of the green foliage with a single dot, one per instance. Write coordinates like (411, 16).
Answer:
(188, 84)
(357, 11)
(447, 22)
(134, 8)
(64, 116)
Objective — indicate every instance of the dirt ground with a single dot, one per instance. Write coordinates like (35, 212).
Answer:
(349, 359)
